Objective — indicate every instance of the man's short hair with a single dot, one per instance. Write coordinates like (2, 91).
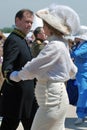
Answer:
(20, 13)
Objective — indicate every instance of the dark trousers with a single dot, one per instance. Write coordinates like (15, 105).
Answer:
(12, 124)
(33, 111)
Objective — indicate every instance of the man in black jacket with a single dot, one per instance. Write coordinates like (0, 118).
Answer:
(17, 97)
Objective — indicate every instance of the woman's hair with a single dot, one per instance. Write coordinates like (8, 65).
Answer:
(53, 30)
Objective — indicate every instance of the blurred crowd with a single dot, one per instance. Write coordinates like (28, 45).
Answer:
(2, 40)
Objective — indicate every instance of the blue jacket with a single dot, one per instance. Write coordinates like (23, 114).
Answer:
(80, 57)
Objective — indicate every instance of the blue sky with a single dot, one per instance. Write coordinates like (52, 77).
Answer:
(8, 8)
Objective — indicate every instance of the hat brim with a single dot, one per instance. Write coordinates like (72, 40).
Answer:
(82, 37)
(54, 21)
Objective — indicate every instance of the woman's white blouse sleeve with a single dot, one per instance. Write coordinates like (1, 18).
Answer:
(41, 64)
(52, 63)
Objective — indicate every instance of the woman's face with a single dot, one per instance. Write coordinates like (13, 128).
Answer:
(47, 30)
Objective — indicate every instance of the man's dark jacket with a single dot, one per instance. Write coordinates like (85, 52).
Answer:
(17, 96)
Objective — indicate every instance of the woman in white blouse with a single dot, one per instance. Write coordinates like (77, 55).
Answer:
(52, 68)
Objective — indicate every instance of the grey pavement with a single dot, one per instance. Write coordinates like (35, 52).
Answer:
(70, 119)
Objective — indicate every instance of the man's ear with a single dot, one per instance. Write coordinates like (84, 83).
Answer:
(17, 20)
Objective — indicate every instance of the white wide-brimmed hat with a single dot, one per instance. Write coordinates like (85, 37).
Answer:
(71, 37)
(83, 30)
(82, 37)
(82, 33)
(62, 18)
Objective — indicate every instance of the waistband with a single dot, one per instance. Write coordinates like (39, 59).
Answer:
(49, 81)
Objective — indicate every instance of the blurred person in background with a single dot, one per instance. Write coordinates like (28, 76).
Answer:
(30, 38)
(2, 40)
(39, 42)
(79, 54)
